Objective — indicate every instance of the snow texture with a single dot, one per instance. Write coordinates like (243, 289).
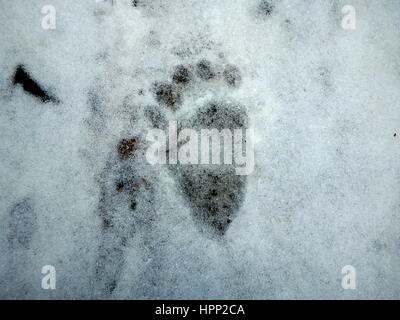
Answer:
(77, 193)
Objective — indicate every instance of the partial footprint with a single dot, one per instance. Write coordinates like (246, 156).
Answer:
(126, 209)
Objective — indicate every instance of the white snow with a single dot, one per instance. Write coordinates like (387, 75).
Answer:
(324, 105)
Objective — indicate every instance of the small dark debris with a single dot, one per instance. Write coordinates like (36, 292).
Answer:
(31, 86)
(395, 134)
(120, 186)
(205, 70)
(133, 205)
(127, 147)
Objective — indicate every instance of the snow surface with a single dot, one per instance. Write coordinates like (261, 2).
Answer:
(324, 105)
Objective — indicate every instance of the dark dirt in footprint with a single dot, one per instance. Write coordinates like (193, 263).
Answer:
(214, 192)
(127, 147)
(22, 224)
